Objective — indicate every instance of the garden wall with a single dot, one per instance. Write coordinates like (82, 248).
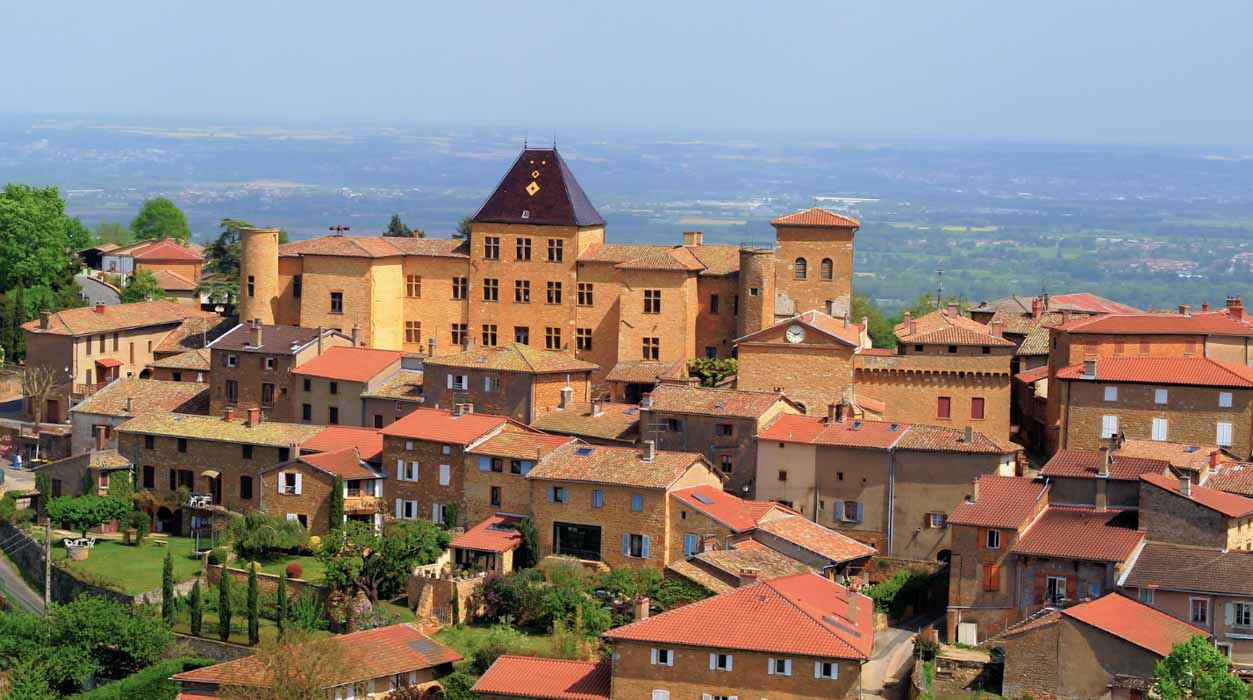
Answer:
(431, 598)
(208, 648)
(267, 584)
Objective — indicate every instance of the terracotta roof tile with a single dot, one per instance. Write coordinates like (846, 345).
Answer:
(519, 444)
(678, 259)
(439, 425)
(549, 679)
(275, 340)
(1081, 302)
(817, 431)
(1085, 463)
(1081, 533)
(216, 429)
(717, 259)
(686, 568)
(1036, 343)
(1205, 323)
(173, 282)
(146, 395)
(194, 333)
(1233, 477)
(690, 398)
(164, 250)
(513, 357)
(194, 360)
(822, 541)
(1003, 501)
(815, 217)
(837, 329)
(802, 614)
(349, 364)
(622, 466)
(1140, 624)
(1228, 504)
(1176, 567)
(367, 441)
(375, 653)
(375, 247)
(645, 371)
(432, 247)
(1189, 371)
(405, 385)
(344, 462)
(942, 328)
(616, 421)
(1032, 376)
(730, 510)
(115, 317)
(495, 534)
(768, 563)
(1177, 454)
(103, 460)
(935, 438)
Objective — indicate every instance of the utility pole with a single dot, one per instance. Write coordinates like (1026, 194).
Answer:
(47, 566)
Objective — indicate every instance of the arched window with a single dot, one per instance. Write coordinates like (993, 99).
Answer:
(825, 271)
(802, 268)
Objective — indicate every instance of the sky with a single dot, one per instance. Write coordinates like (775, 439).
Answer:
(1151, 71)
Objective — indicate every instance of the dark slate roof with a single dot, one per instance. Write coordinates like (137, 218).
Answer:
(555, 199)
(1177, 567)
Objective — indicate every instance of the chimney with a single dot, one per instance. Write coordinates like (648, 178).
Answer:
(100, 430)
(254, 417)
(708, 543)
(567, 394)
(1235, 308)
(969, 435)
(100, 308)
(356, 335)
(640, 608)
(1103, 461)
(907, 319)
(430, 347)
(693, 238)
(321, 332)
(1065, 316)
(748, 575)
(256, 335)
(1205, 307)
(1185, 310)
(228, 414)
(461, 409)
(997, 329)
(646, 402)
(951, 308)
(1035, 307)
(974, 490)
(835, 413)
(1089, 367)
(1213, 459)
(467, 343)
(598, 407)
(648, 450)
(1185, 486)
(852, 605)
(45, 318)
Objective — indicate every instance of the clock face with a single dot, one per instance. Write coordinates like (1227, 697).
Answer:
(795, 334)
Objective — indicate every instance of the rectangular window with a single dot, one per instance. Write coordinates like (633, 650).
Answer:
(1223, 435)
(413, 286)
(445, 474)
(826, 669)
(661, 695)
(993, 539)
(459, 333)
(1243, 614)
(635, 546)
(583, 338)
(460, 382)
(1199, 610)
(720, 662)
(556, 249)
(936, 520)
(552, 338)
(523, 249)
(661, 657)
(1145, 595)
(252, 288)
(522, 291)
(491, 247)
(245, 487)
(726, 463)
(173, 479)
(232, 390)
(991, 578)
(337, 302)
(637, 503)
(489, 335)
(247, 451)
(150, 476)
(149, 442)
(652, 301)
(297, 286)
(598, 498)
(495, 495)
(851, 511)
(332, 415)
(413, 331)
(491, 383)
(558, 494)
(1160, 396)
(554, 292)
(1109, 426)
(976, 408)
(515, 466)
(522, 334)
(1224, 399)
(496, 464)
(651, 348)
(1159, 429)
(725, 430)
(269, 363)
(182, 444)
(943, 407)
(779, 667)
(267, 394)
(1111, 393)
(334, 387)
(460, 287)
(306, 412)
(232, 360)
(491, 289)
(585, 294)
(713, 304)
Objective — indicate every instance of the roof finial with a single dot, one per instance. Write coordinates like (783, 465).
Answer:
(554, 139)
(524, 143)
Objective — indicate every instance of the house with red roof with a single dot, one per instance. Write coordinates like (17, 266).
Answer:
(1174, 510)
(176, 267)
(1100, 478)
(890, 485)
(1103, 648)
(328, 388)
(1194, 400)
(300, 489)
(513, 676)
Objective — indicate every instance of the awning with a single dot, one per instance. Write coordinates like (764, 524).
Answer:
(109, 362)
(210, 473)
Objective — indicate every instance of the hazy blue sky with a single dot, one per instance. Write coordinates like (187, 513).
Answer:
(1155, 71)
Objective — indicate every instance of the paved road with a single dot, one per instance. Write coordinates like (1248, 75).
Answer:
(885, 675)
(16, 590)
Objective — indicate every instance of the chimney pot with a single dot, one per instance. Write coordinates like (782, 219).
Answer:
(1185, 486)
(228, 414)
(906, 318)
(1103, 461)
(430, 352)
(256, 335)
(99, 308)
(254, 417)
(130, 403)
(598, 407)
(100, 431)
(640, 608)
(693, 238)
(951, 308)
(321, 332)
(648, 450)
(969, 435)
(974, 490)
(1214, 459)
(997, 329)
(1185, 310)
(1204, 306)
(1035, 307)
(45, 319)
(356, 335)
(749, 575)
(646, 402)
(567, 393)
(1235, 308)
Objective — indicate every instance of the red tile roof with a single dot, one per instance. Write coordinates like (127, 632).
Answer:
(848, 333)
(513, 357)
(495, 534)
(520, 444)
(173, 282)
(1189, 371)
(1003, 501)
(1140, 624)
(550, 679)
(1233, 477)
(1084, 464)
(730, 510)
(815, 217)
(816, 431)
(439, 425)
(383, 651)
(115, 317)
(375, 247)
(368, 441)
(804, 533)
(1229, 504)
(165, 250)
(349, 364)
(345, 462)
(686, 398)
(936, 438)
(942, 328)
(1090, 303)
(802, 614)
(1033, 375)
(620, 466)
(1205, 323)
(1081, 533)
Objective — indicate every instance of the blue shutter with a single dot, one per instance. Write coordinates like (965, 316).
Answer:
(644, 548)
(626, 545)
(550, 494)
(689, 545)
(598, 498)
(485, 464)
(526, 466)
(839, 511)
(859, 510)
(637, 502)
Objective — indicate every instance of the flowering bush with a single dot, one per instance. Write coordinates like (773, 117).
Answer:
(294, 570)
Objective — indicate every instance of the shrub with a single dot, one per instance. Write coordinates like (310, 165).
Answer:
(305, 612)
(509, 595)
(925, 647)
(258, 534)
(152, 682)
(895, 594)
(217, 556)
(138, 521)
(501, 639)
(294, 570)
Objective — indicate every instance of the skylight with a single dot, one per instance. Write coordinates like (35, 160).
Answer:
(583, 451)
(702, 498)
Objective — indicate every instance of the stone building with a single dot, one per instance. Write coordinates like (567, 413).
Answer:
(808, 358)
(597, 422)
(721, 424)
(397, 396)
(1175, 511)
(1104, 478)
(537, 269)
(186, 366)
(86, 472)
(495, 472)
(177, 268)
(300, 489)
(328, 389)
(126, 398)
(253, 364)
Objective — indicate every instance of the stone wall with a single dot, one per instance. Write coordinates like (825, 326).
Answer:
(210, 648)
(431, 598)
(267, 584)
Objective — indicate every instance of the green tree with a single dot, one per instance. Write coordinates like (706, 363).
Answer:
(881, 328)
(28, 680)
(197, 609)
(35, 254)
(280, 604)
(254, 614)
(222, 255)
(1195, 669)
(397, 229)
(224, 606)
(78, 236)
(357, 558)
(107, 638)
(336, 508)
(711, 370)
(257, 534)
(143, 287)
(463, 228)
(527, 555)
(167, 588)
(115, 233)
(82, 513)
(160, 218)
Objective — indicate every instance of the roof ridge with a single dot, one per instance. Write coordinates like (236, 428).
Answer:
(822, 625)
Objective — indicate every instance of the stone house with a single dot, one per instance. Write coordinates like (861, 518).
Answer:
(327, 389)
(300, 489)
(124, 399)
(808, 358)
(596, 422)
(1098, 478)
(394, 397)
(187, 366)
(86, 472)
(1174, 510)
(495, 469)
(721, 424)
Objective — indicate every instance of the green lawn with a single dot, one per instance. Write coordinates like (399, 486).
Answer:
(239, 627)
(311, 568)
(131, 569)
(467, 639)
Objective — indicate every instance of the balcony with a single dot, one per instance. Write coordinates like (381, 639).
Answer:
(363, 504)
(81, 392)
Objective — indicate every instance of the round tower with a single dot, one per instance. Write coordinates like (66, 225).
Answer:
(756, 290)
(258, 274)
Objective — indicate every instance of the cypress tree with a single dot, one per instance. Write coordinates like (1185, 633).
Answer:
(280, 604)
(167, 589)
(254, 619)
(337, 504)
(197, 613)
(224, 606)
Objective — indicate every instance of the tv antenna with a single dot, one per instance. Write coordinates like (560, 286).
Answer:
(939, 288)
(339, 230)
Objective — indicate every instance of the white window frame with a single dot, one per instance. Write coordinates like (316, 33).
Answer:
(1223, 648)
(992, 536)
(1224, 399)
(1111, 393)
(1205, 602)
(661, 656)
(1245, 619)
(445, 475)
(778, 667)
(821, 672)
(716, 659)
(937, 521)
(1109, 426)
(1161, 429)
(1222, 434)
(661, 695)
(232, 360)
(407, 470)
(1161, 397)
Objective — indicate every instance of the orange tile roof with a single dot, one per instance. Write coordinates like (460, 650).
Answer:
(349, 364)
(173, 282)
(620, 466)
(197, 360)
(345, 462)
(644, 371)
(718, 259)
(815, 217)
(807, 534)
(678, 259)
(1003, 501)
(166, 249)
(802, 614)
(520, 444)
(144, 395)
(1135, 622)
(848, 333)
(194, 333)
(1233, 477)
(942, 328)
(1033, 375)
(690, 398)
(383, 651)
(375, 247)
(115, 317)
(935, 438)
(1084, 464)
(1204, 323)
(1228, 504)
(1189, 371)
(616, 421)
(514, 357)
(1177, 454)
(439, 425)
(1081, 533)
(368, 441)
(817, 431)
(549, 679)
(495, 534)
(730, 510)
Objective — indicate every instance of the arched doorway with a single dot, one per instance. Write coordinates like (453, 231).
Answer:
(944, 556)
(167, 521)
